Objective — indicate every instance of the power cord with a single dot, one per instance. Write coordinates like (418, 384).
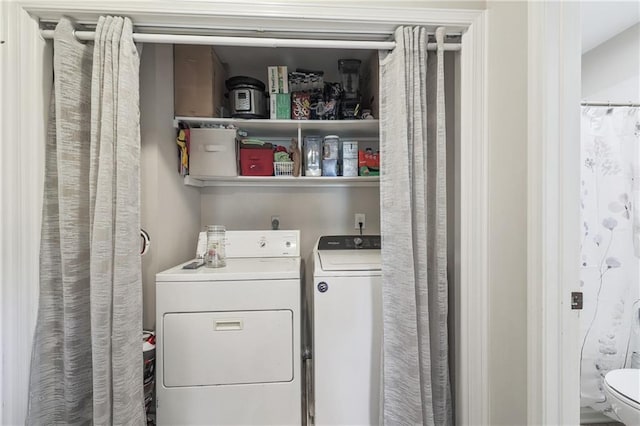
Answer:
(360, 224)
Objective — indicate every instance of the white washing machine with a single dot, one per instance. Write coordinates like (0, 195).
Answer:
(228, 339)
(347, 331)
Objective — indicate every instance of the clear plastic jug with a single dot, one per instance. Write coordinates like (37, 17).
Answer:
(216, 239)
(313, 155)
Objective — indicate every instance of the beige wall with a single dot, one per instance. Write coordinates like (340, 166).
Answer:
(611, 71)
(315, 211)
(170, 211)
(507, 93)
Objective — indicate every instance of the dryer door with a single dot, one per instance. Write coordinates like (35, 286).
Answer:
(227, 348)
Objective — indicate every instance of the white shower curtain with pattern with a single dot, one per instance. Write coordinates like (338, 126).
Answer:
(610, 263)
(86, 364)
(416, 387)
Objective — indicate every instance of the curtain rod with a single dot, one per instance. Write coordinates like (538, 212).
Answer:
(610, 104)
(255, 41)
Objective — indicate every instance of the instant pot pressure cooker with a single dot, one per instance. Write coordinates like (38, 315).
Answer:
(247, 97)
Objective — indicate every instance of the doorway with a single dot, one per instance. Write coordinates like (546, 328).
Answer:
(609, 263)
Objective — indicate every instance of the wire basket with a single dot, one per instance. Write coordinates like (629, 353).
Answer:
(284, 168)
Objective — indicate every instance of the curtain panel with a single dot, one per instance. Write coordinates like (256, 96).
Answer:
(610, 247)
(86, 363)
(416, 387)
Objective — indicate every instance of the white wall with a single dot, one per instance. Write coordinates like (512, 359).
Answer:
(315, 211)
(507, 109)
(611, 71)
(170, 211)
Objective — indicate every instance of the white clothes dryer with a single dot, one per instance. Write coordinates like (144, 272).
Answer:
(228, 339)
(346, 323)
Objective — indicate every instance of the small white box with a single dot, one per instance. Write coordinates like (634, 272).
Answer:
(349, 149)
(213, 153)
(273, 106)
(350, 167)
(272, 75)
(283, 79)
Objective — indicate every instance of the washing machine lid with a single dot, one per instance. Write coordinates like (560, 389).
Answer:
(626, 382)
(237, 269)
(348, 260)
(349, 253)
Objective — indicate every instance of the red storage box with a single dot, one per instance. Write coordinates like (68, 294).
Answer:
(256, 162)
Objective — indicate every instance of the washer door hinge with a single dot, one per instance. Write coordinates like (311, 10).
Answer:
(576, 300)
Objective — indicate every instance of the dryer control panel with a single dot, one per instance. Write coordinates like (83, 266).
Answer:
(263, 243)
(349, 242)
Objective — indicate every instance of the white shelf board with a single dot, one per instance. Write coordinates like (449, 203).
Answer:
(284, 181)
(289, 128)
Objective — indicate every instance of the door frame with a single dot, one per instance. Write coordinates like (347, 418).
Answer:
(553, 363)
(23, 114)
(27, 82)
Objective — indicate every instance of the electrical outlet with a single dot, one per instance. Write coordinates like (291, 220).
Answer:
(275, 222)
(359, 217)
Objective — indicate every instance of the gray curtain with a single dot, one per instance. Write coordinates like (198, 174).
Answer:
(416, 386)
(86, 365)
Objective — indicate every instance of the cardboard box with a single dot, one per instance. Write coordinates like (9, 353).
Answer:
(278, 79)
(213, 153)
(280, 106)
(199, 78)
(350, 167)
(349, 149)
(283, 79)
(272, 77)
(300, 105)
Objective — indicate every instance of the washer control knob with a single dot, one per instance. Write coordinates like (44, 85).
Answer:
(358, 242)
(262, 243)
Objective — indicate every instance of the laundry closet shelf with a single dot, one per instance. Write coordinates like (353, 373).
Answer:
(284, 181)
(356, 129)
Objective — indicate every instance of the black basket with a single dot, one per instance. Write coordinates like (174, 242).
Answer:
(149, 371)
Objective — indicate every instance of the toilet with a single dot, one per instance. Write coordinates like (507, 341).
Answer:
(622, 389)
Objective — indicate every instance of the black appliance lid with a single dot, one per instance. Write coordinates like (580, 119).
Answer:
(244, 81)
(350, 242)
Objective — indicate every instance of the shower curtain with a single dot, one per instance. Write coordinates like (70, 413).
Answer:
(413, 214)
(86, 365)
(610, 251)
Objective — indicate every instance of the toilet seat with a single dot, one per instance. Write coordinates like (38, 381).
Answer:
(622, 388)
(625, 384)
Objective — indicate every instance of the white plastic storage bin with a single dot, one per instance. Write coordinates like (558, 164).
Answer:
(283, 168)
(213, 153)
